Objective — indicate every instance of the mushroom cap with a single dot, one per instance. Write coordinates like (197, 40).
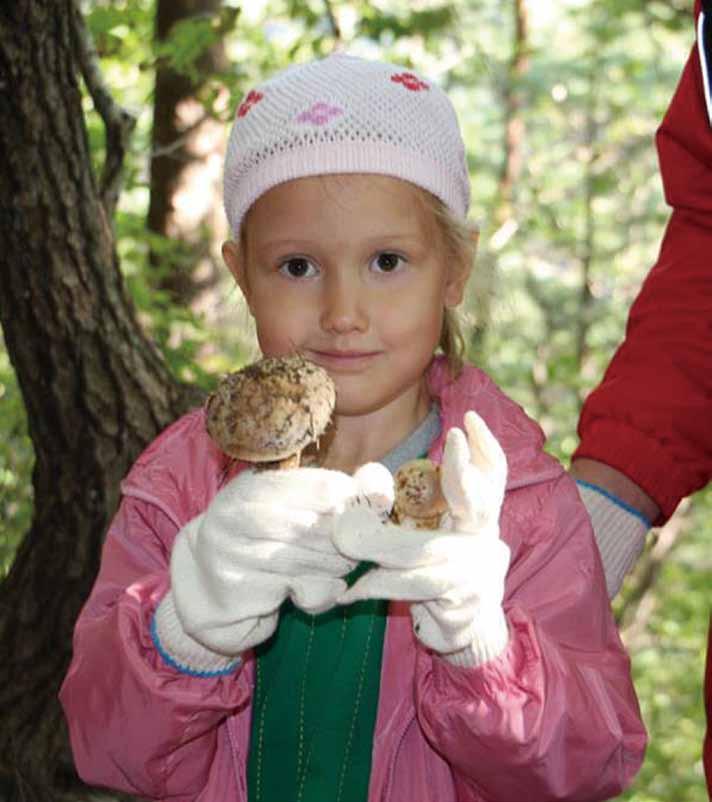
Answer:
(271, 409)
(418, 491)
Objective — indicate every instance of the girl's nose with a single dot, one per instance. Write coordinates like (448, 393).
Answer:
(343, 305)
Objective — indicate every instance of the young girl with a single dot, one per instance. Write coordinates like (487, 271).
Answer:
(221, 655)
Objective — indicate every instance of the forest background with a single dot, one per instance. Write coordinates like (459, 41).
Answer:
(559, 101)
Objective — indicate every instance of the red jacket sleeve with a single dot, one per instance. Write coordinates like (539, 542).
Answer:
(651, 416)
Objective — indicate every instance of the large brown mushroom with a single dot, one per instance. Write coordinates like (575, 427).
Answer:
(271, 410)
(419, 500)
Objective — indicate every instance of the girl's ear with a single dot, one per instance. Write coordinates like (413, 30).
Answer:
(460, 272)
(455, 287)
(474, 239)
(236, 264)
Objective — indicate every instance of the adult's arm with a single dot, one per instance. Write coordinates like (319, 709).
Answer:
(649, 420)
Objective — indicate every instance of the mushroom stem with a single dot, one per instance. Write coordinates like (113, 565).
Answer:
(289, 462)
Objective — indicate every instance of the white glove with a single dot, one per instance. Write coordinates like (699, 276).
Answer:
(455, 578)
(265, 537)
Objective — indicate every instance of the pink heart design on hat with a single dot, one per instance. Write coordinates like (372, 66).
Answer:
(319, 114)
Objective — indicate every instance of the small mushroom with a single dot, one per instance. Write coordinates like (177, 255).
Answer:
(271, 410)
(419, 500)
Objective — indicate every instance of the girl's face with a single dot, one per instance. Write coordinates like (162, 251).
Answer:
(350, 271)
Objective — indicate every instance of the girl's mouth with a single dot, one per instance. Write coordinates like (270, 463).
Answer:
(342, 360)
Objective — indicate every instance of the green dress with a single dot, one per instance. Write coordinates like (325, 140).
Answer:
(315, 702)
(316, 689)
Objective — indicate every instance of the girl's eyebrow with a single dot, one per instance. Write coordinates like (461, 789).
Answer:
(297, 242)
(409, 235)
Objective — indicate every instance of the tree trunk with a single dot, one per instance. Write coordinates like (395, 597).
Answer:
(503, 215)
(95, 389)
(511, 167)
(187, 147)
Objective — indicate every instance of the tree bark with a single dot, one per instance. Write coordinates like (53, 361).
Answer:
(187, 147)
(96, 391)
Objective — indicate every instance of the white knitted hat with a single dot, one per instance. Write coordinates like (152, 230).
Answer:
(344, 114)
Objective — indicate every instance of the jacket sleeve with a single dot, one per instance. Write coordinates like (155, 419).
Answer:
(650, 416)
(555, 716)
(135, 723)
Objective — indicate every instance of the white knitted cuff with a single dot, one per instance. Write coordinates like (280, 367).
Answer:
(181, 651)
(619, 530)
(490, 639)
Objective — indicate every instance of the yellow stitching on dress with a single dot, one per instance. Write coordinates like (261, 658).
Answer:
(359, 690)
(309, 752)
(302, 694)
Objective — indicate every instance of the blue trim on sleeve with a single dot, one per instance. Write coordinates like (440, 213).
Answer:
(617, 501)
(191, 672)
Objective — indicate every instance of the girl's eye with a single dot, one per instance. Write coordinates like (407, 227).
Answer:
(298, 267)
(387, 262)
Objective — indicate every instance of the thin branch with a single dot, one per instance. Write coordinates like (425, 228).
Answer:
(503, 214)
(587, 250)
(118, 122)
(333, 22)
(640, 602)
(513, 102)
(179, 142)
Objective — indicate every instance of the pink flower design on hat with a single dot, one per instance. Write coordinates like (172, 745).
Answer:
(253, 97)
(319, 114)
(409, 81)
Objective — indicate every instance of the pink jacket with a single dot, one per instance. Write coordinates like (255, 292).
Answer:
(555, 717)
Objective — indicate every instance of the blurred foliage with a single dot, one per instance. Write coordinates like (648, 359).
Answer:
(584, 226)
(16, 460)
(668, 655)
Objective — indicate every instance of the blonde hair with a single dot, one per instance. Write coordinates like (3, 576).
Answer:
(460, 242)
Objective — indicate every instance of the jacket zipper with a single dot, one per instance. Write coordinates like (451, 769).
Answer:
(241, 790)
(392, 767)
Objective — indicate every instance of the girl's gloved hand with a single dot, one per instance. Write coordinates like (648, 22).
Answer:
(266, 536)
(454, 576)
